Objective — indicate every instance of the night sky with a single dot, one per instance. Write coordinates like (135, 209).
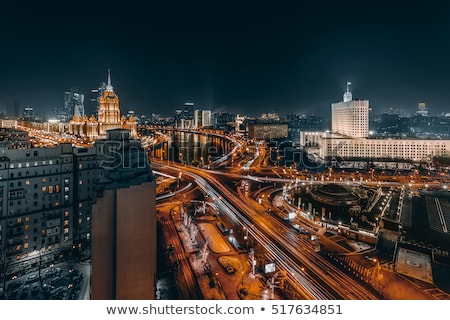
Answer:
(247, 58)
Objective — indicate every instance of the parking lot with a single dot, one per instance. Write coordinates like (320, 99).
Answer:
(57, 282)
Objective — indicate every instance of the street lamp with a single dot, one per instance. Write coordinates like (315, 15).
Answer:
(179, 179)
(267, 201)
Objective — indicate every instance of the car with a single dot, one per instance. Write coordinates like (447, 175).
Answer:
(49, 273)
(47, 288)
(55, 280)
(59, 292)
(32, 278)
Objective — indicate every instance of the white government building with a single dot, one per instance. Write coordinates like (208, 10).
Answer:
(349, 137)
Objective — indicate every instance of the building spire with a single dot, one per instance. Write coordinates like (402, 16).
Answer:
(348, 94)
(109, 86)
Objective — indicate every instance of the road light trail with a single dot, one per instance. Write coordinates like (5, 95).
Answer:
(339, 280)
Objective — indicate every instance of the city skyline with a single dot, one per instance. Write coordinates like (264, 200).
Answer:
(250, 59)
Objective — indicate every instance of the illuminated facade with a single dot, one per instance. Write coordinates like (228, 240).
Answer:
(45, 205)
(202, 118)
(329, 145)
(267, 131)
(108, 117)
(350, 117)
(349, 137)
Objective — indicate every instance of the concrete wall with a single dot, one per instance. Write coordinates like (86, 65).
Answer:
(124, 248)
(103, 247)
(136, 242)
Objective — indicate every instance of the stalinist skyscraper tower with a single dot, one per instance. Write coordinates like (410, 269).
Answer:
(108, 111)
(108, 117)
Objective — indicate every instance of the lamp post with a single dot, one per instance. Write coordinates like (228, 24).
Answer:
(267, 202)
(179, 179)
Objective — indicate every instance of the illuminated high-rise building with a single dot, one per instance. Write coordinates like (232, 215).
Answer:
(350, 117)
(349, 137)
(108, 117)
(202, 118)
(73, 105)
(109, 111)
(45, 205)
(422, 109)
(28, 114)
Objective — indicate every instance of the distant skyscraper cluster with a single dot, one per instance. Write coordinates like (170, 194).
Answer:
(73, 105)
(188, 118)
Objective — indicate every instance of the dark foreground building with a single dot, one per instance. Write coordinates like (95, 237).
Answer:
(123, 221)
